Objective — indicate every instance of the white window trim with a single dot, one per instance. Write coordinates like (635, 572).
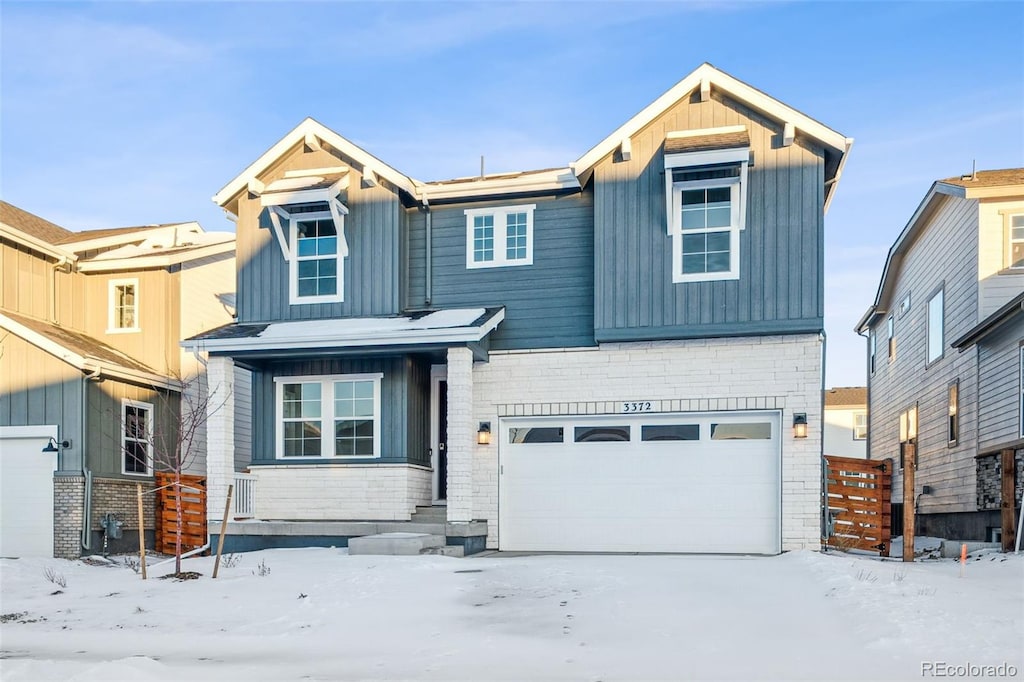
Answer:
(326, 382)
(126, 403)
(293, 261)
(1010, 241)
(112, 285)
(940, 292)
(734, 228)
(860, 413)
(500, 253)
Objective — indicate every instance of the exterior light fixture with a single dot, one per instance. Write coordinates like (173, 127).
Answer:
(483, 434)
(54, 446)
(800, 425)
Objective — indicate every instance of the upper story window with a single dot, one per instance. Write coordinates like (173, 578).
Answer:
(328, 416)
(953, 410)
(860, 425)
(317, 266)
(123, 306)
(890, 328)
(705, 178)
(136, 437)
(1015, 248)
(499, 236)
(936, 326)
(872, 348)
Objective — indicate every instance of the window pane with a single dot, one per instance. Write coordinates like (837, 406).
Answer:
(670, 432)
(307, 247)
(536, 434)
(749, 431)
(718, 241)
(362, 389)
(718, 262)
(327, 246)
(344, 447)
(935, 327)
(307, 287)
(327, 286)
(693, 219)
(693, 264)
(135, 457)
(594, 434)
(692, 197)
(719, 217)
(307, 269)
(695, 243)
(717, 195)
(364, 447)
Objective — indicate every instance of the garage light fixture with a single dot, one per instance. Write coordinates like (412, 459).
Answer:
(483, 434)
(799, 425)
(53, 445)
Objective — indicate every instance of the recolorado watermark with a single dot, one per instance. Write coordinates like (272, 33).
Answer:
(944, 669)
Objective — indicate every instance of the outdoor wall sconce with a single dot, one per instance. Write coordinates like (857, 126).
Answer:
(483, 434)
(799, 425)
(53, 445)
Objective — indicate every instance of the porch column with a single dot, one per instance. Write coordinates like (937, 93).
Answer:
(461, 434)
(220, 437)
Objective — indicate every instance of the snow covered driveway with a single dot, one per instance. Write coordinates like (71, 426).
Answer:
(320, 614)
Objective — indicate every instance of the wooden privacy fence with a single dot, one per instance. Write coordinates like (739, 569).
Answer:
(859, 508)
(193, 512)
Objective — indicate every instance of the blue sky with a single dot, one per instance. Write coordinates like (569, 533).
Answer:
(132, 113)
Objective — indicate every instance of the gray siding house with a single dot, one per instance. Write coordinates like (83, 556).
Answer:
(89, 329)
(606, 356)
(946, 352)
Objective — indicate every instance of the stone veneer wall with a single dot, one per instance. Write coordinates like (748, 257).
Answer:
(990, 483)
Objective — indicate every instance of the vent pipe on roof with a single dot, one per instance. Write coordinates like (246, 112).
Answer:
(481, 165)
(974, 169)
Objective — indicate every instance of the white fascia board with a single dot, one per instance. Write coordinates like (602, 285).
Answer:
(297, 136)
(560, 179)
(999, 192)
(156, 261)
(738, 90)
(830, 190)
(84, 363)
(141, 234)
(16, 235)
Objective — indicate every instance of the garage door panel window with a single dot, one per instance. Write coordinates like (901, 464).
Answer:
(670, 432)
(605, 434)
(536, 434)
(742, 431)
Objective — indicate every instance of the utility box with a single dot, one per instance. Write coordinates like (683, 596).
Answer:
(112, 527)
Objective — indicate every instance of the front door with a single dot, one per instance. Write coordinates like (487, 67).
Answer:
(442, 440)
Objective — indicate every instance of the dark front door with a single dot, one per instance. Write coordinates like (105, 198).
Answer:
(442, 440)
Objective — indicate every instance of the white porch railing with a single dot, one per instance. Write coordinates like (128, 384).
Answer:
(245, 495)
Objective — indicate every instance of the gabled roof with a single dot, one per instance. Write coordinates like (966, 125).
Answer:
(1000, 183)
(846, 396)
(81, 351)
(31, 224)
(992, 323)
(314, 133)
(707, 76)
(89, 235)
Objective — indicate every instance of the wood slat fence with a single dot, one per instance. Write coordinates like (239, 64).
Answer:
(193, 509)
(858, 494)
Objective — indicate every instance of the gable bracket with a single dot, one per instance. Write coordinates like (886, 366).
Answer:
(626, 149)
(276, 214)
(788, 134)
(338, 213)
(312, 142)
(705, 89)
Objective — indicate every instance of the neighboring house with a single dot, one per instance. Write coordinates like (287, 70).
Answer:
(945, 358)
(89, 329)
(846, 422)
(607, 356)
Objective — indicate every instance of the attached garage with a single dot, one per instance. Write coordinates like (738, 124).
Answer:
(26, 491)
(685, 482)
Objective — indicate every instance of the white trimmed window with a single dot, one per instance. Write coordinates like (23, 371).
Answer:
(860, 425)
(136, 437)
(936, 326)
(316, 270)
(334, 416)
(499, 237)
(1016, 246)
(123, 306)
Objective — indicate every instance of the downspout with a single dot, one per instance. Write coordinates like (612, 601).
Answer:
(84, 440)
(429, 237)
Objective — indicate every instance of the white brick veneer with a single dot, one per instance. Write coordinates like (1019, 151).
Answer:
(760, 372)
(220, 435)
(356, 492)
(461, 438)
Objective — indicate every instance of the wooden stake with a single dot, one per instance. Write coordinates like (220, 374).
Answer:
(223, 529)
(909, 466)
(963, 559)
(142, 532)
(1007, 501)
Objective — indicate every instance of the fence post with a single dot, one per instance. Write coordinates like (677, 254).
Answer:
(909, 467)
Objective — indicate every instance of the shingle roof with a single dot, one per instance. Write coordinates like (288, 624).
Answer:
(73, 237)
(32, 224)
(79, 343)
(846, 396)
(989, 178)
(493, 176)
(703, 143)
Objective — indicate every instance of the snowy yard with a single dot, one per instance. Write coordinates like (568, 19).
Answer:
(320, 614)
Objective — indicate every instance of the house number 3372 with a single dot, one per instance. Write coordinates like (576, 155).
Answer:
(642, 406)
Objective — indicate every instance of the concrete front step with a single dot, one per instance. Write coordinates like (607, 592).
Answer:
(448, 550)
(396, 544)
(430, 515)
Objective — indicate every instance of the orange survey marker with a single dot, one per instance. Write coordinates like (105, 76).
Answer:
(963, 558)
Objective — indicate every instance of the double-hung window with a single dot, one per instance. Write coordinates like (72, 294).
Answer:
(498, 237)
(136, 437)
(860, 425)
(123, 306)
(705, 178)
(1015, 247)
(328, 416)
(317, 264)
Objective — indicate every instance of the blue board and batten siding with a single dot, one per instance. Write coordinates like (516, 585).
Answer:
(371, 271)
(781, 252)
(549, 304)
(404, 405)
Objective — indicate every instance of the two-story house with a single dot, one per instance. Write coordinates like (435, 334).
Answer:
(845, 427)
(622, 354)
(91, 372)
(946, 354)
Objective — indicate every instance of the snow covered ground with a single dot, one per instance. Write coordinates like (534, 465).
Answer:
(319, 614)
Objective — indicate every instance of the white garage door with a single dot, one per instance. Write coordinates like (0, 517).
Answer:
(688, 482)
(26, 491)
